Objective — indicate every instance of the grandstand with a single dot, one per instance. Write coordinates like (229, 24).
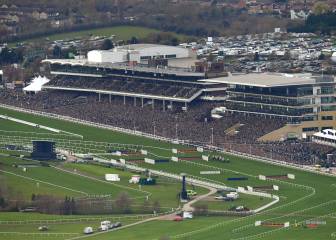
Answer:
(307, 102)
(299, 97)
(138, 71)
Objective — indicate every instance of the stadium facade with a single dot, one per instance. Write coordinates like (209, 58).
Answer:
(308, 102)
(299, 97)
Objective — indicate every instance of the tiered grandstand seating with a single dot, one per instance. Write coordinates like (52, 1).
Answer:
(156, 88)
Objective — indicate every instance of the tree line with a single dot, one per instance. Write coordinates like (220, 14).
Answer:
(318, 23)
(49, 204)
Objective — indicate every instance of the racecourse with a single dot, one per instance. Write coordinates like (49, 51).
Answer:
(310, 196)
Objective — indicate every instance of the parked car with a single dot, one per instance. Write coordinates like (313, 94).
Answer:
(43, 228)
(116, 225)
(220, 197)
(240, 208)
(88, 230)
(191, 193)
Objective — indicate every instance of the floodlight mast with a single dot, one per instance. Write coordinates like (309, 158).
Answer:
(184, 194)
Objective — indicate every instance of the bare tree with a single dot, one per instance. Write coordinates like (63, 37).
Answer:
(146, 207)
(156, 206)
(123, 203)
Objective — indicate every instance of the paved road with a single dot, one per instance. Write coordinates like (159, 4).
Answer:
(188, 206)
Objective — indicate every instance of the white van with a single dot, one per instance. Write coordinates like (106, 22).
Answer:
(88, 230)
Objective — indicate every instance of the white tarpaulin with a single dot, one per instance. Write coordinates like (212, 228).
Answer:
(150, 161)
(112, 177)
(36, 84)
(262, 177)
(144, 152)
(291, 176)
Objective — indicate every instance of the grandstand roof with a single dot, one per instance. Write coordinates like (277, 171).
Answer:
(83, 62)
(265, 79)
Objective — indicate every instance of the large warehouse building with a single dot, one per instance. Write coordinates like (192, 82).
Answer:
(137, 53)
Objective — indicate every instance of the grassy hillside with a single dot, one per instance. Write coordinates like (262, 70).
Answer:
(121, 33)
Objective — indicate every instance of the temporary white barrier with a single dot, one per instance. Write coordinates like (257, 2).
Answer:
(112, 177)
(116, 153)
(291, 176)
(200, 149)
(286, 224)
(205, 158)
(262, 177)
(113, 161)
(174, 150)
(257, 223)
(249, 188)
(241, 189)
(144, 152)
(174, 159)
(318, 222)
(209, 172)
(275, 187)
(123, 161)
(150, 161)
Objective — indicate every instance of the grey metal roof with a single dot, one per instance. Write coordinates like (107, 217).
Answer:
(265, 80)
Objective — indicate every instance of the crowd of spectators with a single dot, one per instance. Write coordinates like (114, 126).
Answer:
(301, 152)
(195, 124)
